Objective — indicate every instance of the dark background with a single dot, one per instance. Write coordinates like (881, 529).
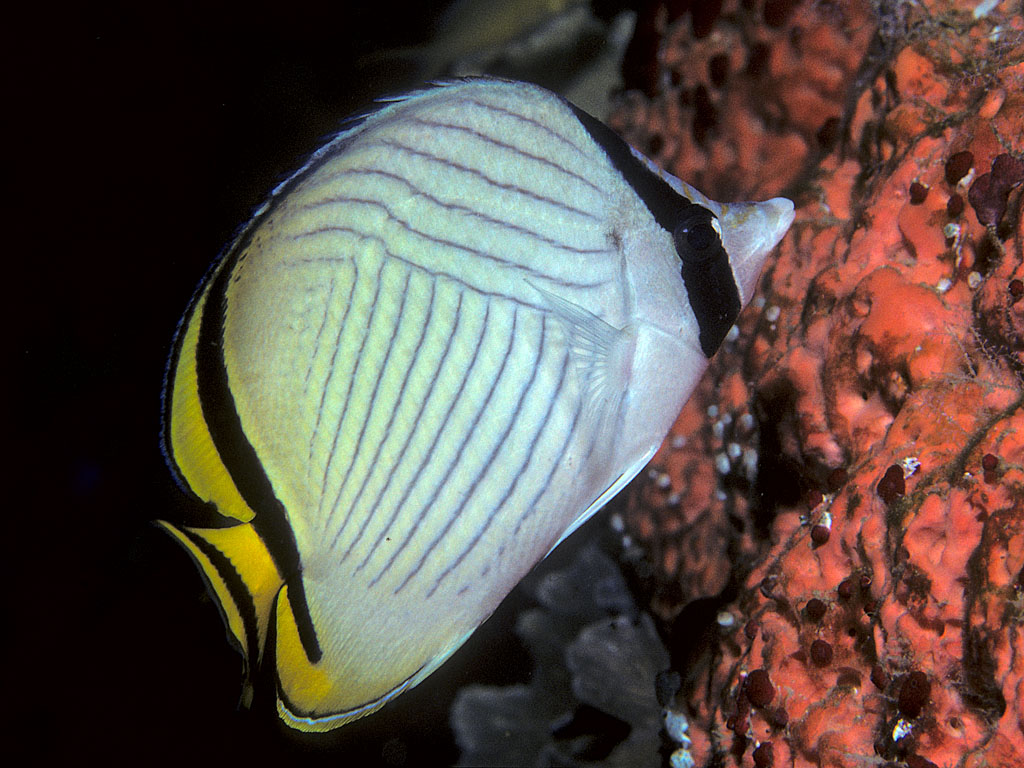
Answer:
(143, 136)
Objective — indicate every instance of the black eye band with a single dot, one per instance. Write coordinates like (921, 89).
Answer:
(707, 275)
(706, 271)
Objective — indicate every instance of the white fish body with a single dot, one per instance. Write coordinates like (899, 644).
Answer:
(440, 347)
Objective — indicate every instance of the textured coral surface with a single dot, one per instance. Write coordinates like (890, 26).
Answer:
(853, 495)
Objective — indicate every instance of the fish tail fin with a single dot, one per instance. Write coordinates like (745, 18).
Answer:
(241, 575)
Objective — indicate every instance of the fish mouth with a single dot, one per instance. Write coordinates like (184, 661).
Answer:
(749, 233)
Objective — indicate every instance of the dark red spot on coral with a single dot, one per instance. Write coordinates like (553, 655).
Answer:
(763, 756)
(918, 193)
(879, 678)
(759, 689)
(705, 117)
(1016, 290)
(914, 694)
(821, 653)
(739, 724)
(820, 534)
(989, 462)
(778, 717)
(751, 628)
(836, 479)
(828, 133)
(989, 192)
(813, 498)
(815, 609)
(777, 12)
(958, 165)
(892, 485)
(1008, 170)
(987, 200)
(845, 589)
(954, 206)
(742, 705)
(990, 478)
(718, 70)
(757, 61)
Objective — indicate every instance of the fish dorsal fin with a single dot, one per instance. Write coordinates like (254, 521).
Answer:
(602, 355)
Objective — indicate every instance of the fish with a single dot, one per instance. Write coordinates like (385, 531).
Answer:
(438, 348)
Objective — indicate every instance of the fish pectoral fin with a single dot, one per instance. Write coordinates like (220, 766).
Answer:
(602, 355)
(241, 576)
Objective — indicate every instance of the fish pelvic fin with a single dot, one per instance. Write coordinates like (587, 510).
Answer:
(241, 575)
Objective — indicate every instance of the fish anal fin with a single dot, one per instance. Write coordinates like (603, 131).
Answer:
(240, 575)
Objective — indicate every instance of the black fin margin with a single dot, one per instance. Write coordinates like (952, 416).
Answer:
(270, 680)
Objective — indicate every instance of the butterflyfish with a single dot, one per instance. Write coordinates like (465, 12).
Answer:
(456, 332)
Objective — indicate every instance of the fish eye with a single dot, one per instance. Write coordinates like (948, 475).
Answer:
(695, 235)
(700, 236)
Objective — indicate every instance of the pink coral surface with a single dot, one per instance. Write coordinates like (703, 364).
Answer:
(857, 484)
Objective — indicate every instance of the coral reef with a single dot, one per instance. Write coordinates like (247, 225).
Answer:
(700, 72)
(592, 692)
(708, 122)
(853, 494)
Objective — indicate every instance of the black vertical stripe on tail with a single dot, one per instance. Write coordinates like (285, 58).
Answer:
(240, 458)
